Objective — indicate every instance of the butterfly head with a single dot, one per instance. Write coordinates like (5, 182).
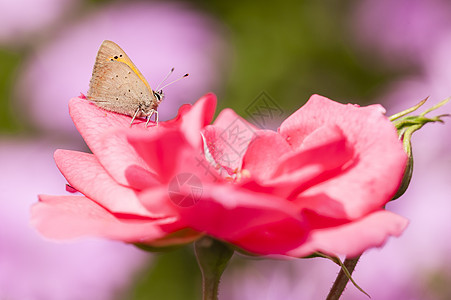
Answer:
(159, 96)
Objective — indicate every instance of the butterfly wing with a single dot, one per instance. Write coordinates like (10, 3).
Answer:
(117, 85)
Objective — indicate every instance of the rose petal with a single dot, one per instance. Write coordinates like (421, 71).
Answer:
(121, 161)
(228, 116)
(104, 133)
(296, 171)
(320, 110)
(200, 115)
(157, 201)
(224, 153)
(374, 179)
(98, 128)
(263, 154)
(330, 153)
(228, 139)
(170, 154)
(92, 121)
(66, 217)
(160, 150)
(85, 174)
(353, 238)
(260, 223)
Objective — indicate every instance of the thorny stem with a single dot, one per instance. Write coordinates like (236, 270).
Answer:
(342, 279)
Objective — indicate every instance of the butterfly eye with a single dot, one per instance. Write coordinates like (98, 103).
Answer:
(157, 95)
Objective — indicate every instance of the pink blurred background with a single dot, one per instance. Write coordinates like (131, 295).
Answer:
(390, 52)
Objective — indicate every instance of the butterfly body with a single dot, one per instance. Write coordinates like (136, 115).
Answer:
(117, 85)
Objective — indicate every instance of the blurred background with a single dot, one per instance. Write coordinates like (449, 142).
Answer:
(264, 60)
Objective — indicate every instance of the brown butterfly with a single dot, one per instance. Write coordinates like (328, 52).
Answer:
(118, 86)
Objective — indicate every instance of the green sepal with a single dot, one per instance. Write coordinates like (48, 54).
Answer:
(149, 248)
(406, 126)
(171, 241)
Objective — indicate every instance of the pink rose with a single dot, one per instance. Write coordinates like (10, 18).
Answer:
(318, 184)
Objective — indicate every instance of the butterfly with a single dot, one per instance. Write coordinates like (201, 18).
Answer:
(117, 85)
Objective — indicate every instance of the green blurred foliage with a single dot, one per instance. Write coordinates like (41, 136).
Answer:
(171, 275)
(9, 63)
(293, 49)
(436, 285)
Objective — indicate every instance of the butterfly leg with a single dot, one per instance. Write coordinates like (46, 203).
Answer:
(150, 116)
(134, 116)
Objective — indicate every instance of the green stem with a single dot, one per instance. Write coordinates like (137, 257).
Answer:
(212, 257)
(342, 279)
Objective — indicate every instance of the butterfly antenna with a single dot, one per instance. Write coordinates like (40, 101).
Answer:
(167, 76)
(186, 75)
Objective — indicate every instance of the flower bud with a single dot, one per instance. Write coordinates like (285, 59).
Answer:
(406, 126)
